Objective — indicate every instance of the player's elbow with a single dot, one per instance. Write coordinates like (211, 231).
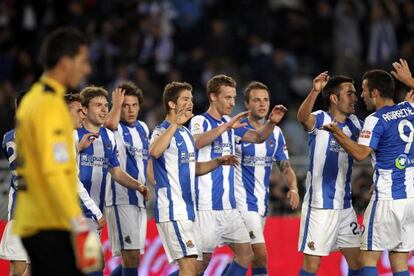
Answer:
(301, 117)
(154, 152)
(360, 156)
(110, 125)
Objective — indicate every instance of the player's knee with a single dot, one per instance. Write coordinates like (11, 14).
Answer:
(206, 261)
(131, 258)
(311, 264)
(244, 255)
(17, 268)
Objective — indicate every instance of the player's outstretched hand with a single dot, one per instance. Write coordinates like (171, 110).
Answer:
(235, 121)
(184, 114)
(331, 127)
(144, 191)
(228, 160)
(118, 96)
(101, 222)
(277, 113)
(293, 197)
(320, 81)
(87, 246)
(402, 71)
(86, 141)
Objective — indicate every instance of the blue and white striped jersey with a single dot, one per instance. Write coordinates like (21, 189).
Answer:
(390, 133)
(94, 163)
(328, 181)
(215, 190)
(132, 144)
(253, 172)
(9, 150)
(174, 173)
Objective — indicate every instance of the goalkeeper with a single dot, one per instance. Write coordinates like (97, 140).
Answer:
(48, 216)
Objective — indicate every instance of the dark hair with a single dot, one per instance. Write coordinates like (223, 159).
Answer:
(62, 42)
(132, 90)
(214, 84)
(401, 90)
(20, 97)
(334, 87)
(72, 97)
(252, 86)
(90, 92)
(172, 92)
(380, 80)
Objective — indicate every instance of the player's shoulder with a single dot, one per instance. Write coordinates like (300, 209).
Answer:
(355, 121)
(144, 126)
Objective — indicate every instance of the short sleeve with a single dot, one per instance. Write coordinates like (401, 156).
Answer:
(281, 151)
(371, 132)
(158, 131)
(198, 125)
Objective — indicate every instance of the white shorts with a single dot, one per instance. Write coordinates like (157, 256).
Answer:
(389, 224)
(11, 247)
(180, 239)
(127, 227)
(255, 226)
(326, 230)
(221, 227)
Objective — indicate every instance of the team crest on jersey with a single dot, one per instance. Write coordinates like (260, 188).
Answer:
(128, 239)
(252, 235)
(401, 161)
(311, 245)
(197, 128)
(108, 146)
(189, 244)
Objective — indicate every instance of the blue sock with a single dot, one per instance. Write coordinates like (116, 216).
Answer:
(402, 273)
(129, 271)
(235, 270)
(352, 272)
(368, 271)
(225, 269)
(175, 273)
(96, 273)
(117, 271)
(259, 271)
(305, 273)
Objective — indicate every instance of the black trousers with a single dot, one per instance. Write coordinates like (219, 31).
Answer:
(51, 253)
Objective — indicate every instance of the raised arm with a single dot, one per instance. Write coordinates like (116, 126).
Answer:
(260, 135)
(206, 138)
(114, 116)
(161, 143)
(304, 115)
(402, 73)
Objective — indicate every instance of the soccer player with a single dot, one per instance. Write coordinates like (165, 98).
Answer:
(47, 204)
(125, 208)
(11, 247)
(387, 135)
(75, 110)
(328, 221)
(213, 132)
(99, 162)
(253, 172)
(173, 153)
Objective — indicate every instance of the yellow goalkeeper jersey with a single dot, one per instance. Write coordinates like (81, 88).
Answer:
(47, 196)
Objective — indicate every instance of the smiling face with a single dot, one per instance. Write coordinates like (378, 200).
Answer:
(347, 98)
(96, 111)
(224, 100)
(130, 109)
(259, 103)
